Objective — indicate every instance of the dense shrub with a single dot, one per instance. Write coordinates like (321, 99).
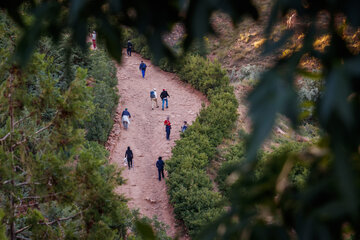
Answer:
(105, 98)
(233, 159)
(190, 188)
(203, 74)
(101, 76)
(102, 68)
(299, 171)
(236, 156)
(139, 42)
(169, 66)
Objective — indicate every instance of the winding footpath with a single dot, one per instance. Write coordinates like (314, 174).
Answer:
(146, 135)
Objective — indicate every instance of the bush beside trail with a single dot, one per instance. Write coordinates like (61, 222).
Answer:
(100, 122)
(100, 76)
(190, 188)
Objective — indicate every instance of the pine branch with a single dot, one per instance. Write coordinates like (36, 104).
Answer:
(37, 132)
(39, 197)
(62, 219)
(5, 137)
(49, 223)
(19, 143)
(22, 229)
(44, 128)
(6, 182)
(26, 183)
(24, 118)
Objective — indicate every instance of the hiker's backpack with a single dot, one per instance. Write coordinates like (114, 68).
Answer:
(152, 94)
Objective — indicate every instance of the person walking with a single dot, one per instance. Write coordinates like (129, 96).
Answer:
(153, 98)
(142, 68)
(129, 48)
(94, 39)
(129, 156)
(164, 95)
(160, 166)
(167, 128)
(125, 118)
(184, 127)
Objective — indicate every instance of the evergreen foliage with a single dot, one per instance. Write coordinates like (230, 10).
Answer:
(54, 184)
(101, 77)
(327, 207)
(235, 157)
(190, 189)
(105, 100)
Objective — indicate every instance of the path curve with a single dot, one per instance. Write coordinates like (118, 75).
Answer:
(146, 134)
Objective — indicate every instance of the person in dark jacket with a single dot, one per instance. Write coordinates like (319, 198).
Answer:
(160, 166)
(129, 156)
(126, 113)
(125, 118)
(129, 48)
(167, 128)
(142, 68)
(164, 95)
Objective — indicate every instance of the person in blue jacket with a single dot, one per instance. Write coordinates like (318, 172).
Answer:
(142, 68)
(125, 117)
(184, 127)
(160, 166)
(126, 113)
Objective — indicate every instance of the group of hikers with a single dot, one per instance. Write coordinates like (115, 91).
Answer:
(167, 125)
(125, 116)
(142, 66)
(160, 164)
(164, 98)
(154, 104)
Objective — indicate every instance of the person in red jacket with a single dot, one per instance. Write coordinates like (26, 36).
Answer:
(167, 128)
(94, 39)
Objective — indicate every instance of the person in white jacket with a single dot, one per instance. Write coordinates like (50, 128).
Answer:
(153, 98)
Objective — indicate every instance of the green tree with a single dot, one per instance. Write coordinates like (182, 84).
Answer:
(330, 201)
(53, 183)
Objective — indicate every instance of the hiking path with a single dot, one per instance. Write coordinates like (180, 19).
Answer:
(146, 135)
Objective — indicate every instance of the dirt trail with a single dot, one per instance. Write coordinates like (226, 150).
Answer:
(146, 134)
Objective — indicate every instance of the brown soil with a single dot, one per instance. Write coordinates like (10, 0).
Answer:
(146, 135)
